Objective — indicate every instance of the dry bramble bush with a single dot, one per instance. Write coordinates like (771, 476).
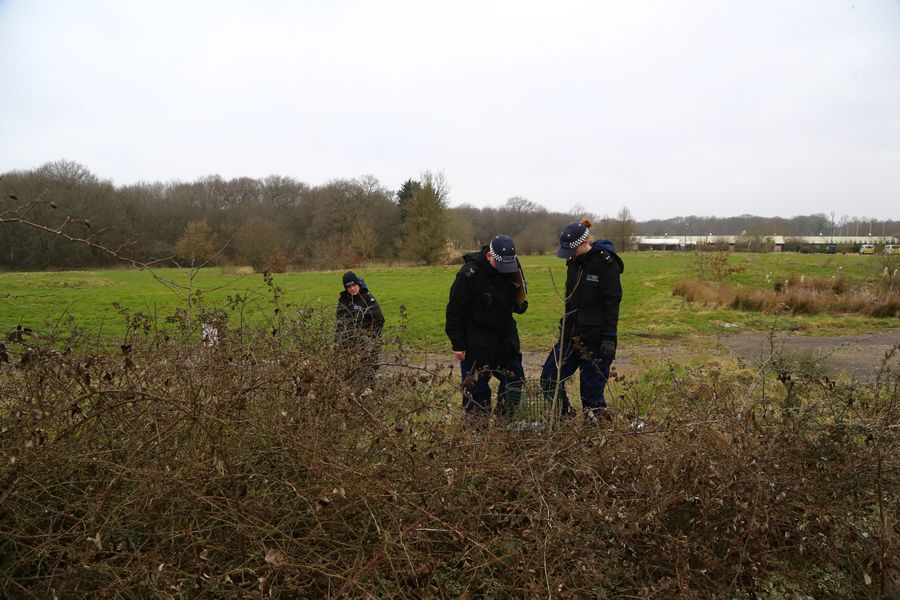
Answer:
(260, 467)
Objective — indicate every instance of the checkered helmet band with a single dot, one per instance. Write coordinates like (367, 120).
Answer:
(579, 241)
(500, 257)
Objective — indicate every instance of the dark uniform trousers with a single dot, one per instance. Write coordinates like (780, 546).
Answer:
(593, 374)
(476, 378)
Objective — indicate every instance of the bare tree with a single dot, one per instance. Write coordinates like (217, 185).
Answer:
(518, 204)
(461, 232)
(258, 243)
(364, 237)
(621, 231)
(578, 211)
(197, 244)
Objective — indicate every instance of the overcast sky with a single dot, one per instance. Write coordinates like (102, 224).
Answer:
(707, 107)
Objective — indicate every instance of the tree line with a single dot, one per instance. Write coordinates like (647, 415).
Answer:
(280, 222)
(753, 226)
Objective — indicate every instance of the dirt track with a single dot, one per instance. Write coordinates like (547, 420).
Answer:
(859, 356)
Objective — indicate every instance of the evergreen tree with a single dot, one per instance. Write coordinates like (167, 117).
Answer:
(425, 227)
(405, 196)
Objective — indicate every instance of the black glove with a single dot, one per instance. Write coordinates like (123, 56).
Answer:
(608, 348)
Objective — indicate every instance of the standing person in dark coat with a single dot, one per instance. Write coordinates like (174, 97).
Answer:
(358, 323)
(488, 289)
(588, 329)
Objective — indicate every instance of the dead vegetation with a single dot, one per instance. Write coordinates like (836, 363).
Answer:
(262, 467)
(712, 285)
(796, 295)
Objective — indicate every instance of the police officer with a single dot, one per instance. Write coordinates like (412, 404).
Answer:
(589, 326)
(488, 289)
(358, 323)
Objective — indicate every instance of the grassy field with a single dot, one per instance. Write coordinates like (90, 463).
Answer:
(47, 300)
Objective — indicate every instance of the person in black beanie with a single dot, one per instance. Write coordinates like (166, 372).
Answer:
(488, 289)
(358, 323)
(588, 329)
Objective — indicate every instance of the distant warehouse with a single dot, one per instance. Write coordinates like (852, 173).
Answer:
(661, 243)
(760, 243)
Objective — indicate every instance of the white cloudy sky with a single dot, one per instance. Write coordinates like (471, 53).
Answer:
(669, 107)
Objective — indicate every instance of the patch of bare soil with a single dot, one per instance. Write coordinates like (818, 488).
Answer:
(860, 357)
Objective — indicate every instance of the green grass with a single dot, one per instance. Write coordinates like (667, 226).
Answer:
(649, 311)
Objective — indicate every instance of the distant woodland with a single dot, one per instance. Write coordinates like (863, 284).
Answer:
(278, 223)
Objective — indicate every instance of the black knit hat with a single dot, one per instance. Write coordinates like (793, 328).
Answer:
(350, 278)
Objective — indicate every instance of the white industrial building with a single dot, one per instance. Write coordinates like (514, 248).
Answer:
(775, 243)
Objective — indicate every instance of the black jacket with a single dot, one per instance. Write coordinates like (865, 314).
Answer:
(359, 314)
(593, 294)
(479, 312)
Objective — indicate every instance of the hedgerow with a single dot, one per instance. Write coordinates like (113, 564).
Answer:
(263, 466)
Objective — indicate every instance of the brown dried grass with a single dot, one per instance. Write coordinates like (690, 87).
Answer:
(262, 468)
(796, 296)
(833, 285)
